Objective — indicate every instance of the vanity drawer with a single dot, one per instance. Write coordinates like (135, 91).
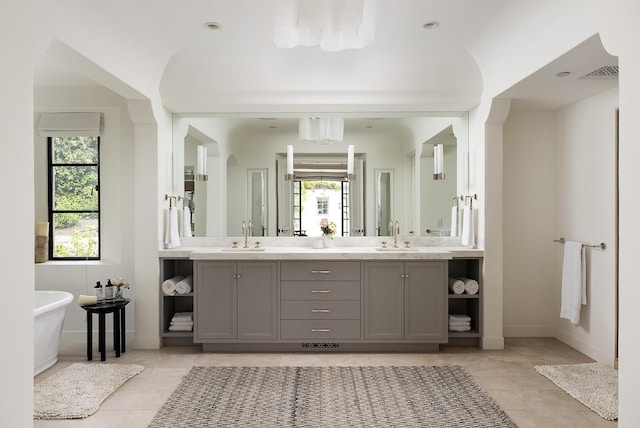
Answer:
(320, 290)
(319, 270)
(320, 329)
(321, 309)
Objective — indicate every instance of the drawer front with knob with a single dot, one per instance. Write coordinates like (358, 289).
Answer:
(320, 290)
(320, 271)
(325, 310)
(320, 329)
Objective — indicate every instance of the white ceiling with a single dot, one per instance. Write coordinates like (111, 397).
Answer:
(407, 68)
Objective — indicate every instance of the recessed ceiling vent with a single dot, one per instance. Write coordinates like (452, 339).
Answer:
(606, 72)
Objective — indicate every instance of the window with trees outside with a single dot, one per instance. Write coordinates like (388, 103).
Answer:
(74, 198)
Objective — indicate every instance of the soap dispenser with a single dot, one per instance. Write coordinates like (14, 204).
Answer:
(99, 290)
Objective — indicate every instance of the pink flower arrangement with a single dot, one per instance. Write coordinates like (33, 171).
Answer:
(118, 281)
(327, 228)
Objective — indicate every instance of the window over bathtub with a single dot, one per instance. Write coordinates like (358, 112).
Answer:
(73, 170)
(74, 197)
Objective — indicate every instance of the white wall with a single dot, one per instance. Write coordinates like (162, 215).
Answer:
(528, 219)
(18, 230)
(117, 199)
(559, 173)
(585, 211)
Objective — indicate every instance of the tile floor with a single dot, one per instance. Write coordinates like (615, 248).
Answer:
(508, 376)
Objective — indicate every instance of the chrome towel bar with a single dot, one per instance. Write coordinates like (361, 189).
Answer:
(601, 245)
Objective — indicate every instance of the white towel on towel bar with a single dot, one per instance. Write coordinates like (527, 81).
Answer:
(468, 225)
(454, 220)
(185, 223)
(171, 235)
(574, 281)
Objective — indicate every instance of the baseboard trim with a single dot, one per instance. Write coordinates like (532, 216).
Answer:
(586, 348)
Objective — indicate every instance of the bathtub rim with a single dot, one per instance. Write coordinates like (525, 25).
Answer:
(57, 299)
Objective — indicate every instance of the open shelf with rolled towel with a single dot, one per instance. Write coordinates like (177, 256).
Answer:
(176, 300)
(465, 301)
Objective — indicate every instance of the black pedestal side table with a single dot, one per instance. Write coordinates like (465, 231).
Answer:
(103, 307)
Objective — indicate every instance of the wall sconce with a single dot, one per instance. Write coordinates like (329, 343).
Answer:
(289, 174)
(350, 174)
(201, 167)
(438, 162)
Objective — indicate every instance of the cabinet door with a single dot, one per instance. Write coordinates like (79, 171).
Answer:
(216, 301)
(425, 300)
(257, 300)
(384, 300)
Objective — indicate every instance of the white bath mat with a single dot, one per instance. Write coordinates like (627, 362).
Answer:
(593, 384)
(78, 390)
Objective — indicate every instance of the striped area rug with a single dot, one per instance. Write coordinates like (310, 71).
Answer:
(330, 396)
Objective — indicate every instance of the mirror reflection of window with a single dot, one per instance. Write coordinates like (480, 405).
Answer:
(318, 199)
(323, 205)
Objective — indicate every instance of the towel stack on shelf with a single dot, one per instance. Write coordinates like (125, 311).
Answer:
(459, 322)
(181, 321)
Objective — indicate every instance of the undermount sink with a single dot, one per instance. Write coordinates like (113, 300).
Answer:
(243, 250)
(397, 250)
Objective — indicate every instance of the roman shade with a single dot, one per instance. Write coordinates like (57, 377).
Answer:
(83, 124)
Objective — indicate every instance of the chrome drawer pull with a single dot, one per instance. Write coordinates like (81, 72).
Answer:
(320, 311)
(324, 272)
(321, 330)
(321, 291)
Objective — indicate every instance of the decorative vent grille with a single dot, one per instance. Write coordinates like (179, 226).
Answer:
(316, 345)
(603, 72)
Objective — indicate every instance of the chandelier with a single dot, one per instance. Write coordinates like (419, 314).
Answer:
(321, 130)
(334, 25)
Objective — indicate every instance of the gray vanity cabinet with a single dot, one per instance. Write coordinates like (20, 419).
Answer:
(235, 301)
(405, 301)
(384, 300)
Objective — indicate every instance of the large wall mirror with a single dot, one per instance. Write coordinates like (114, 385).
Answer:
(246, 164)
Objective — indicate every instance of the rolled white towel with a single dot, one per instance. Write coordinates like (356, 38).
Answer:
(460, 317)
(471, 286)
(83, 299)
(459, 328)
(456, 286)
(184, 286)
(169, 285)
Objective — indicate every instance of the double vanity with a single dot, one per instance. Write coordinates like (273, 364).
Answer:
(341, 298)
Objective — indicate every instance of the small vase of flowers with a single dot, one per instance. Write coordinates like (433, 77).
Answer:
(328, 230)
(119, 283)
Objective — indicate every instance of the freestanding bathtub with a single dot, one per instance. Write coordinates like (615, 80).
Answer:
(49, 310)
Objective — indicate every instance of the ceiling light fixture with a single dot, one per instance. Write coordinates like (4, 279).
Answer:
(321, 130)
(563, 74)
(430, 25)
(334, 25)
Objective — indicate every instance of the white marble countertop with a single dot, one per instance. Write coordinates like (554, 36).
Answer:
(309, 253)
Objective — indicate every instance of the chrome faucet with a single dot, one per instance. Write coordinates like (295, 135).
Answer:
(246, 230)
